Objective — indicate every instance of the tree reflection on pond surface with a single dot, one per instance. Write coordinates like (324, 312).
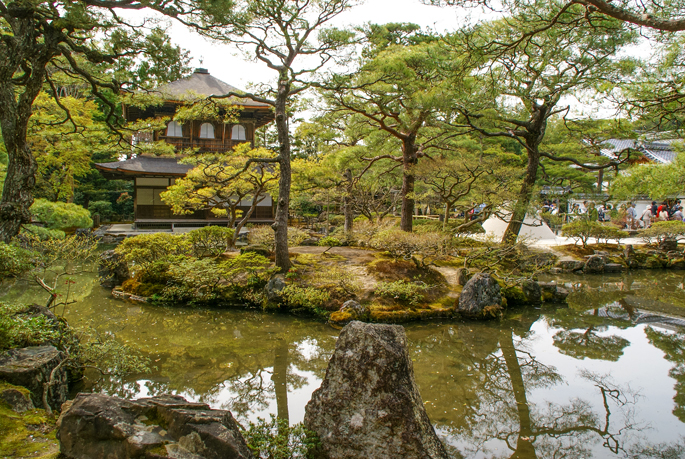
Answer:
(578, 381)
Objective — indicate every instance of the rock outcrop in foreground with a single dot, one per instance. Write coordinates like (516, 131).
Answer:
(368, 405)
(31, 367)
(479, 293)
(165, 427)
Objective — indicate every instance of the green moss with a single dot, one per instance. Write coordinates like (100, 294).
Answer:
(384, 315)
(514, 294)
(653, 262)
(341, 317)
(30, 434)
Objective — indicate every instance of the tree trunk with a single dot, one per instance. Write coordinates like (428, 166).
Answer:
(20, 180)
(409, 159)
(280, 225)
(255, 200)
(523, 199)
(347, 205)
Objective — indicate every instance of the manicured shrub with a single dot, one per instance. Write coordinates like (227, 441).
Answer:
(664, 230)
(101, 208)
(60, 215)
(329, 241)
(210, 241)
(265, 236)
(402, 291)
(309, 298)
(420, 248)
(581, 230)
(14, 261)
(146, 249)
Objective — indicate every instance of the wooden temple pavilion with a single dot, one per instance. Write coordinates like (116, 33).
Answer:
(153, 174)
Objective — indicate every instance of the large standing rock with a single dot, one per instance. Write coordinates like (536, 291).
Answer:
(479, 292)
(30, 367)
(368, 405)
(112, 269)
(668, 244)
(594, 265)
(274, 287)
(532, 291)
(99, 426)
(462, 276)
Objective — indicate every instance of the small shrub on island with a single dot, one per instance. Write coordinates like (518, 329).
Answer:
(402, 291)
(583, 229)
(664, 230)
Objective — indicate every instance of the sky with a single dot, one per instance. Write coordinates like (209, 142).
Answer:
(226, 63)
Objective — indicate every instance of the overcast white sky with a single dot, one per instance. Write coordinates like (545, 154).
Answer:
(225, 63)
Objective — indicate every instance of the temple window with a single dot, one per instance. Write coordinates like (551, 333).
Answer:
(206, 131)
(174, 130)
(238, 132)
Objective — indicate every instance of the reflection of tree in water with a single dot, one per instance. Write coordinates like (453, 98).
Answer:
(673, 346)
(496, 378)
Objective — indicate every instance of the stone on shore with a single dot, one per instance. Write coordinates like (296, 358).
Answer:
(112, 269)
(31, 367)
(368, 405)
(273, 288)
(594, 265)
(480, 292)
(163, 427)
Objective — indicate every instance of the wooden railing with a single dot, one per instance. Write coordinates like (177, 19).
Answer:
(148, 212)
(204, 145)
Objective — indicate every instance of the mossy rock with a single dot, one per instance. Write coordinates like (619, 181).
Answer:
(653, 262)
(395, 316)
(258, 249)
(28, 435)
(342, 317)
(677, 263)
(514, 294)
(144, 289)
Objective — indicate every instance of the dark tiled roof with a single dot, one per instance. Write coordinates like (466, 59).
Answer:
(201, 84)
(661, 151)
(147, 165)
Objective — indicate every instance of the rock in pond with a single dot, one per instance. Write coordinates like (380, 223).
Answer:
(480, 292)
(31, 367)
(164, 427)
(274, 287)
(668, 244)
(594, 265)
(570, 265)
(350, 310)
(368, 405)
(112, 269)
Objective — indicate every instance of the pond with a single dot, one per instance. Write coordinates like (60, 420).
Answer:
(601, 377)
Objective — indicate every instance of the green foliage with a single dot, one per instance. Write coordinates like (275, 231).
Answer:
(308, 298)
(402, 291)
(608, 233)
(581, 230)
(275, 439)
(105, 353)
(418, 247)
(264, 235)
(60, 215)
(210, 241)
(14, 261)
(664, 230)
(145, 249)
(17, 330)
(42, 232)
(101, 208)
(337, 278)
(329, 241)
(422, 226)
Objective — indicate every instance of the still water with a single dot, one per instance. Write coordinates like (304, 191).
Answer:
(600, 377)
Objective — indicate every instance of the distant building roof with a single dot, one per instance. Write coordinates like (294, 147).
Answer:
(144, 165)
(661, 151)
(201, 84)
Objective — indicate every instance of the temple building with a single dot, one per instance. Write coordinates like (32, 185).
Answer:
(153, 174)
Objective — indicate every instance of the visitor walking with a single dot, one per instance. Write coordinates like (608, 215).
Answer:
(646, 217)
(630, 216)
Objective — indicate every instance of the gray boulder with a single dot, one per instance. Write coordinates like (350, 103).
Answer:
(18, 398)
(668, 244)
(462, 276)
(570, 265)
(112, 269)
(532, 291)
(355, 309)
(594, 265)
(368, 405)
(274, 287)
(478, 293)
(164, 427)
(31, 367)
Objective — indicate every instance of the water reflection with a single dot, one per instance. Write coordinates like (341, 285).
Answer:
(585, 380)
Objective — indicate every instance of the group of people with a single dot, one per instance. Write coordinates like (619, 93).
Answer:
(592, 212)
(655, 212)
